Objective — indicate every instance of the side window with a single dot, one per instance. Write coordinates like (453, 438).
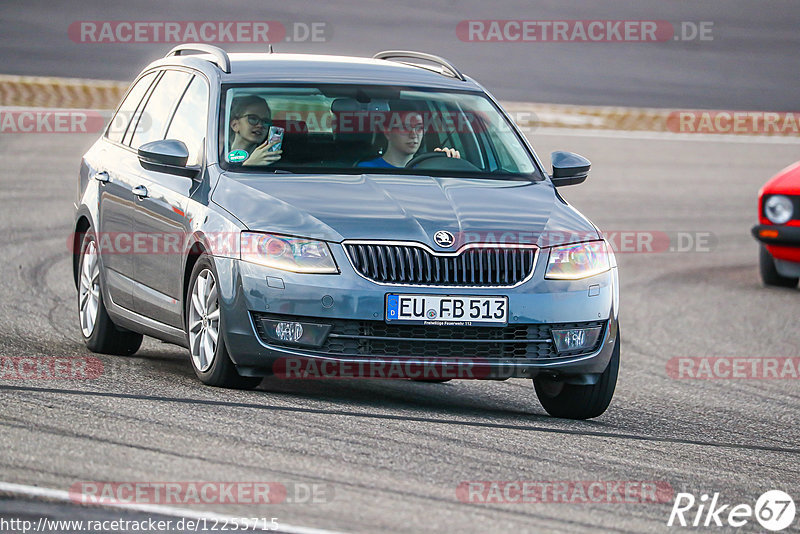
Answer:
(189, 123)
(119, 123)
(136, 120)
(159, 107)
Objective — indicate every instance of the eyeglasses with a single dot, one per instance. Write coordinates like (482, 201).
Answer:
(418, 130)
(255, 119)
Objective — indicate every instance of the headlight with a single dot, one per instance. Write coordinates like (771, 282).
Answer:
(778, 209)
(581, 260)
(288, 253)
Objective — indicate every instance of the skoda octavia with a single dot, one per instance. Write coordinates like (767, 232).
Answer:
(273, 210)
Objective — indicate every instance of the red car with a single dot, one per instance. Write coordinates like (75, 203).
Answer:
(779, 228)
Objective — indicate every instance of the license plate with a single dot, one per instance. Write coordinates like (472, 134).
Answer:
(446, 310)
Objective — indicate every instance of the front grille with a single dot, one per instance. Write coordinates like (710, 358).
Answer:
(413, 264)
(376, 338)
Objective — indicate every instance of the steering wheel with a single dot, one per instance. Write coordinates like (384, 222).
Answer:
(432, 160)
(416, 160)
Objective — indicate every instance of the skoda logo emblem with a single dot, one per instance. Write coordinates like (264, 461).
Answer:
(444, 239)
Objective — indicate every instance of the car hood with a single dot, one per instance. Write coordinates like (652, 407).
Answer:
(402, 208)
(786, 182)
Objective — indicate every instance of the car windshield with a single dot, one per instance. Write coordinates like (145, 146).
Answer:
(366, 128)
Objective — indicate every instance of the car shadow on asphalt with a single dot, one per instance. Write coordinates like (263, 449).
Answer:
(392, 394)
(455, 397)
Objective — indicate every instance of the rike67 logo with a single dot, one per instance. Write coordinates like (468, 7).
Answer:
(774, 510)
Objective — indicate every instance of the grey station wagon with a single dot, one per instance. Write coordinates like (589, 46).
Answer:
(315, 216)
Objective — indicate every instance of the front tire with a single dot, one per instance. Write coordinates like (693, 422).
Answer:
(572, 401)
(98, 330)
(210, 358)
(769, 274)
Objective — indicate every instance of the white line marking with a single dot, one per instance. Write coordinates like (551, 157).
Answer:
(64, 496)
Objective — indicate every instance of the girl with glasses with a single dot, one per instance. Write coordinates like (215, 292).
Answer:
(250, 122)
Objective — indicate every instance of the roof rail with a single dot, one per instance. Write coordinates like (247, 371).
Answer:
(221, 57)
(395, 54)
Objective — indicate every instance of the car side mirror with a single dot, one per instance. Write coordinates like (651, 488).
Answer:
(569, 168)
(166, 155)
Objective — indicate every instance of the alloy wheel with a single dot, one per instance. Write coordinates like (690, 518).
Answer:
(89, 301)
(204, 320)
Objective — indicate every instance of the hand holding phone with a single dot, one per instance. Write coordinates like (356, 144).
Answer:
(275, 135)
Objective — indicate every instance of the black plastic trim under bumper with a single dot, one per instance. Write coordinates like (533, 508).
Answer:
(787, 235)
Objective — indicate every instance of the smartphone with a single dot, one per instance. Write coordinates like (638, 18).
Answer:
(275, 134)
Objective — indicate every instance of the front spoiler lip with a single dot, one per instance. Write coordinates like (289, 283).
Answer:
(787, 235)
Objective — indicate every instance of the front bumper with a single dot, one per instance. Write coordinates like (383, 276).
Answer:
(787, 236)
(580, 367)
(248, 291)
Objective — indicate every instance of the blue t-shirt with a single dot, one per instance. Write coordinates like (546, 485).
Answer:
(377, 163)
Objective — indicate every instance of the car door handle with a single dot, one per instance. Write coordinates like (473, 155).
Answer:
(140, 191)
(102, 177)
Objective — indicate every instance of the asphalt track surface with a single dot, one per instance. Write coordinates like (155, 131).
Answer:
(751, 63)
(391, 454)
